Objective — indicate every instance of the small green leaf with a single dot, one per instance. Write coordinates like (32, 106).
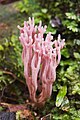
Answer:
(1, 73)
(52, 30)
(1, 108)
(18, 115)
(67, 62)
(76, 55)
(44, 10)
(65, 104)
(65, 53)
(71, 16)
(71, 25)
(76, 89)
(1, 48)
(61, 94)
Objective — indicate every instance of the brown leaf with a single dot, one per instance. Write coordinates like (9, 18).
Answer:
(3, 26)
(26, 114)
(15, 108)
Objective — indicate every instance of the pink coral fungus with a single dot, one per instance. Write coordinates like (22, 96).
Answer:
(41, 58)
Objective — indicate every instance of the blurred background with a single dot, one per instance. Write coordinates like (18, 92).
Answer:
(61, 17)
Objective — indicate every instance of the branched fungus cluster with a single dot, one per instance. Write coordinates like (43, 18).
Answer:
(40, 58)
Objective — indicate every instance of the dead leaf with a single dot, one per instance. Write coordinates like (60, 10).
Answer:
(3, 26)
(26, 114)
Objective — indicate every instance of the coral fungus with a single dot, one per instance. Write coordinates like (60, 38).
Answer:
(41, 58)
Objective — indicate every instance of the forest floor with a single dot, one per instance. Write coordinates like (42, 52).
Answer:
(10, 17)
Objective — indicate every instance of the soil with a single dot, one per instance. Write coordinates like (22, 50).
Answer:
(10, 17)
(7, 1)
(7, 116)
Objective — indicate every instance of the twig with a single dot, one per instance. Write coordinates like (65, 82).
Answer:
(15, 107)
(13, 75)
(46, 117)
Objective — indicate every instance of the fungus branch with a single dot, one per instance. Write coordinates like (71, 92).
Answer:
(40, 59)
